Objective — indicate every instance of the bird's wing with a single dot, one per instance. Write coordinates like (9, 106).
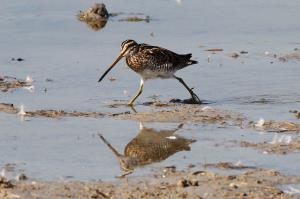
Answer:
(160, 57)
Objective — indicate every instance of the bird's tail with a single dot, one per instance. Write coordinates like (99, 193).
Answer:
(188, 58)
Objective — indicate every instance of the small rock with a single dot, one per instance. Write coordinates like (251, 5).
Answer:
(282, 59)
(5, 184)
(112, 78)
(183, 183)
(231, 177)
(169, 170)
(234, 55)
(233, 185)
(21, 176)
(17, 59)
(194, 183)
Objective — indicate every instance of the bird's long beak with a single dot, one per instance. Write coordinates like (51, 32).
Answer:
(111, 66)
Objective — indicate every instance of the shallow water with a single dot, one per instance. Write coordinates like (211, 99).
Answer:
(57, 46)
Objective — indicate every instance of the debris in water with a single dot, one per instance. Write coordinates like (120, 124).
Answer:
(283, 139)
(112, 78)
(292, 191)
(277, 126)
(207, 108)
(208, 58)
(228, 165)
(17, 59)
(97, 11)
(296, 113)
(3, 173)
(260, 123)
(29, 79)
(275, 147)
(234, 55)
(295, 55)
(5, 184)
(49, 80)
(136, 19)
(21, 176)
(95, 17)
(22, 111)
(10, 83)
(215, 50)
(29, 88)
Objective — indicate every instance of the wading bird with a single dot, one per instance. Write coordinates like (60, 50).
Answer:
(152, 62)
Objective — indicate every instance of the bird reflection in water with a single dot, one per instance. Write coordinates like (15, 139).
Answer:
(149, 146)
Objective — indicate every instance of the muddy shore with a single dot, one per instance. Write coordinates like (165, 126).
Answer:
(167, 183)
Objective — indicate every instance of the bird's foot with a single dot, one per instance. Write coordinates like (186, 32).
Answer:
(196, 99)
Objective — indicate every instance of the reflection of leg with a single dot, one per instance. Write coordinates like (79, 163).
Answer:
(194, 96)
(138, 93)
(179, 127)
(133, 109)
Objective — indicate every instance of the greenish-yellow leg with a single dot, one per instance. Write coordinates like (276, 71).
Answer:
(138, 93)
(194, 96)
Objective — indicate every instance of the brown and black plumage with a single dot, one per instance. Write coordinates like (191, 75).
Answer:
(152, 62)
(150, 146)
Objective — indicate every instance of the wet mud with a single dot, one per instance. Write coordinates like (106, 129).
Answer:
(136, 19)
(296, 113)
(253, 183)
(276, 126)
(274, 147)
(11, 109)
(228, 165)
(179, 113)
(292, 56)
(11, 83)
(168, 113)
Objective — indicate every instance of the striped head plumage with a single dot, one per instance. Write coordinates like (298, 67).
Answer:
(128, 47)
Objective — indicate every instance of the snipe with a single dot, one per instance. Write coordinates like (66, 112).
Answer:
(152, 62)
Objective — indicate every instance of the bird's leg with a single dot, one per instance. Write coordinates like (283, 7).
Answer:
(194, 96)
(138, 93)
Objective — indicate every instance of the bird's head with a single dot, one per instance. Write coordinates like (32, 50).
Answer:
(128, 47)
